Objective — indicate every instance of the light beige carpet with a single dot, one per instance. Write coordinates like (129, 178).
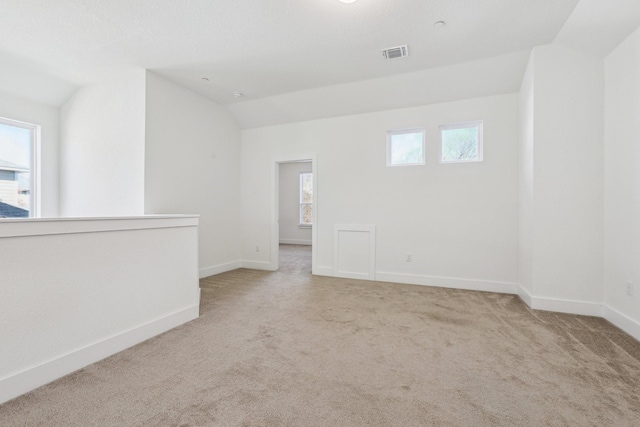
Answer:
(285, 348)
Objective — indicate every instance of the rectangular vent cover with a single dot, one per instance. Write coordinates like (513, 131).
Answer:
(396, 52)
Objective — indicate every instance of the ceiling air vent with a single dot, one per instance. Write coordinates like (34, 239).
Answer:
(396, 52)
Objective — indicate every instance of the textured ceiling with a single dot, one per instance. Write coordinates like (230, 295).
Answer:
(264, 48)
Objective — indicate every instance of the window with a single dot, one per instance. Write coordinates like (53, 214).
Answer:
(461, 142)
(18, 169)
(405, 147)
(306, 199)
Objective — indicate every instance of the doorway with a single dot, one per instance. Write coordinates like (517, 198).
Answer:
(295, 215)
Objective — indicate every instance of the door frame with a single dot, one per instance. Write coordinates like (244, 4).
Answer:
(275, 208)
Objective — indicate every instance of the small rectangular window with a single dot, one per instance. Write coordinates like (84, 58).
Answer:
(405, 147)
(306, 199)
(461, 142)
(18, 169)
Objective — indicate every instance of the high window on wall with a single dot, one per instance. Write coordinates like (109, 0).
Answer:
(19, 144)
(461, 142)
(306, 199)
(405, 147)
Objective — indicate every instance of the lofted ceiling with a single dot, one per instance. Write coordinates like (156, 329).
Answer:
(266, 48)
(598, 26)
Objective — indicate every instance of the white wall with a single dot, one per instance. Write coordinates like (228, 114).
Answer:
(622, 178)
(526, 179)
(76, 291)
(48, 117)
(102, 149)
(566, 243)
(289, 209)
(192, 165)
(459, 220)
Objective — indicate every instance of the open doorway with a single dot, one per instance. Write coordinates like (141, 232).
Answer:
(295, 213)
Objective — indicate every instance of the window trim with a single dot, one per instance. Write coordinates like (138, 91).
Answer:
(479, 125)
(34, 187)
(301, 203)
(391, 133)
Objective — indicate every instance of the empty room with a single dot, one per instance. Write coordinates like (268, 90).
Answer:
(320, 213)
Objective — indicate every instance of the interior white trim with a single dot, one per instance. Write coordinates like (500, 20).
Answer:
(622, 321)
(324, 271)
(29, 379)
(351, 275)
(610, 314)
(478, 124)
(220, 268)
(358, 228)
(35, 132)
(295, 242)
(53, 226)
(567, 306)
(448, 282)
(391, 133)
(560, 305)
(259, 265)
(330, 272)
(524, 295)
(275, 209)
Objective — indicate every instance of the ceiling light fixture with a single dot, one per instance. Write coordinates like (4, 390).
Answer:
(238, 95)
(439, 24)
(347, 1)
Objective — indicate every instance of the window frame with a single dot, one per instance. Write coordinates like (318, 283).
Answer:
(303, 203)
(34, 166)
(391, 133)
(479, 125)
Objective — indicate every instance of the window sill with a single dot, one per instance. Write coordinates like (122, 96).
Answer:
(305, 226)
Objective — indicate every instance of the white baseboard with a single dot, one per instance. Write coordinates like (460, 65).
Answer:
(222, 268)
(627, 324)
(524, 295)
(329, 272)
(448, 282)
(566, 306)
(324, 271)
(622, 321)
(357, 276)
(259, 265)
(442, 282)
(295, 242)
(32, 378)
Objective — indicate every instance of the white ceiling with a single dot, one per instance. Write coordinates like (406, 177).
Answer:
(482, 77)
(274, 50)
(267, 47)
(598, 26)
